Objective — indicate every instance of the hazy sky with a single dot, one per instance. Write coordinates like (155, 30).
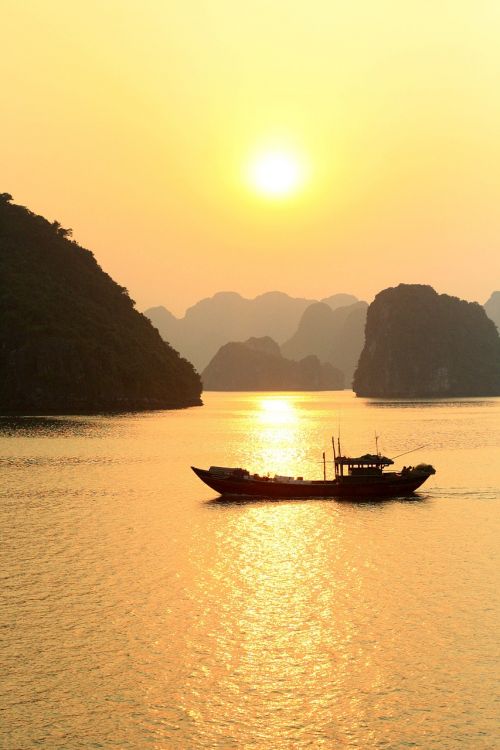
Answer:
(134, 122)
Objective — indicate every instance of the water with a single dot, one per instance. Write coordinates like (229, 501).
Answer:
(137, 611)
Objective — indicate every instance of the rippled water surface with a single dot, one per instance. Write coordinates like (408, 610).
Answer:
(139, 611)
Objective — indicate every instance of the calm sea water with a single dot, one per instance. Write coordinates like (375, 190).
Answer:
(140, 612)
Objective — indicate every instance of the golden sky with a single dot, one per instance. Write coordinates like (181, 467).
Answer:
(134, 122)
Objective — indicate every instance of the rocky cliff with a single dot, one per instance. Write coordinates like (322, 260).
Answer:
(257, 365)
(422, 344)
(70, 338)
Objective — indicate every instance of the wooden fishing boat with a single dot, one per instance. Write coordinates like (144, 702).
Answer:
(364, 477)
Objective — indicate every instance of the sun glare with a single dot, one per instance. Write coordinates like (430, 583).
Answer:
(276, 174)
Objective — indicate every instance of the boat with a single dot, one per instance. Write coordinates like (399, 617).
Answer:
(364, 477)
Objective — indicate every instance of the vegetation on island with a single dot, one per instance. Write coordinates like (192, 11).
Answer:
(70, 338)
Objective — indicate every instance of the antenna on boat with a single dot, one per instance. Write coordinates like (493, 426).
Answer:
(376, 443)
(324, 466)
(412, 451)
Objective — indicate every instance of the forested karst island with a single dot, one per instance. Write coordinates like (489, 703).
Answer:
(70, 338)
(422, 344)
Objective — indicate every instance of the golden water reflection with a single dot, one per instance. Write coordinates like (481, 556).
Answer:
(288, 627)
(278, 410)
(281, 438)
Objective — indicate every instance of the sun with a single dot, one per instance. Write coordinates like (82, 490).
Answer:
(276, 174)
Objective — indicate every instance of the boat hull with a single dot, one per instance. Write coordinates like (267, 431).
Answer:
(383, 487)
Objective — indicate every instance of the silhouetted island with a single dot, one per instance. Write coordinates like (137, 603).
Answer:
(227, 316)
(257, 365)
(70, 338)
(422, 344)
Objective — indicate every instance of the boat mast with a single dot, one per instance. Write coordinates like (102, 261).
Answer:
(324, 466)
(334, 457)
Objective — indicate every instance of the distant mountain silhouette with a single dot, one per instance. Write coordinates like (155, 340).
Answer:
(227, 316)
(423, 344)
(492, 308)
(263, 344)
(257, 365)
(70, 338)
(313, 334)
(339, 300)
(335, 336)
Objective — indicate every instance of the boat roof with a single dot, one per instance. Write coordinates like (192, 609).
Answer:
(368, 459)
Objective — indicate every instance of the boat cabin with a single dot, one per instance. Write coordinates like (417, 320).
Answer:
(363, 466)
